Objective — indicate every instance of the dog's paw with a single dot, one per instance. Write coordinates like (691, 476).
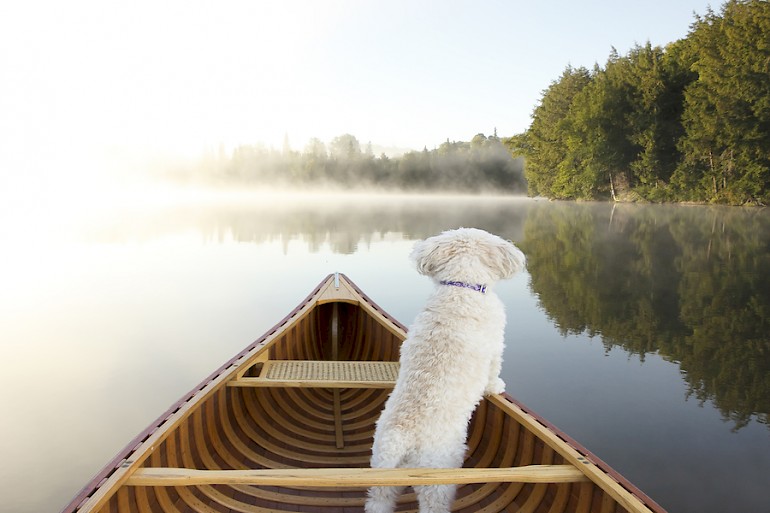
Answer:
(496, 387)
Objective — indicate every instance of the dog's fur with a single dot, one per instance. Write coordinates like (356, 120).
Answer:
(450, 359)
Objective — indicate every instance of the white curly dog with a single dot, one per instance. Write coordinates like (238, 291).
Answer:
(449, 360)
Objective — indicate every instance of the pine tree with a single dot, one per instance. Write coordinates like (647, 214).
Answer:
(545, 143)
(727, 109)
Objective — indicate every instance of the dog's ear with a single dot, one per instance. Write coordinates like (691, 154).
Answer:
(424, 256)
(506, 259)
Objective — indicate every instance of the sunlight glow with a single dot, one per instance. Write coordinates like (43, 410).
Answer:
(98, 88)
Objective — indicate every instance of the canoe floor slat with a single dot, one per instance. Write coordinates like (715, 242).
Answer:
(364, 477)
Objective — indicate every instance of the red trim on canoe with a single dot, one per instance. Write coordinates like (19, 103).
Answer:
(101, 476)
(373, 304)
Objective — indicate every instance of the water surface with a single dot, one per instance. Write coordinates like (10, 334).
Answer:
(641, 331)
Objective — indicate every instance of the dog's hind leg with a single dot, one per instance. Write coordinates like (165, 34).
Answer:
(388, 451)
(382, 499)
(439, 498)
(436, 498)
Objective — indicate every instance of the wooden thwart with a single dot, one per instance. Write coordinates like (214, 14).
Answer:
(324, 374)
(364, 477)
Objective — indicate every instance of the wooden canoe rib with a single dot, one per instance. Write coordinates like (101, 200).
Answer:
(287, 426)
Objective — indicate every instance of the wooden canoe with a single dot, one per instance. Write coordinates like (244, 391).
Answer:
(287, 425)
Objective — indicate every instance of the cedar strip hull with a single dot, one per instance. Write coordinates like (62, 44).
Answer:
(220, 427)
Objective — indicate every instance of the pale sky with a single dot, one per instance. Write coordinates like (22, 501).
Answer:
(102, 77)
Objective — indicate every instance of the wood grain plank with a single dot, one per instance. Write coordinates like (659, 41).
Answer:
(333, 477)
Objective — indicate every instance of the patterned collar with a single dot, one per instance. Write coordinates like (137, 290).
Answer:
(476, 287)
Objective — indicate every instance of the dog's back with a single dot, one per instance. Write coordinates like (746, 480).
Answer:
(446, 358)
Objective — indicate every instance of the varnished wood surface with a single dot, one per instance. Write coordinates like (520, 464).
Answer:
(234, 447)
(364, 477)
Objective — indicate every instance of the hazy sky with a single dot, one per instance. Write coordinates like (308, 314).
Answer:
(181, 75)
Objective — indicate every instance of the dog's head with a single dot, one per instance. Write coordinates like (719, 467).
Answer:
(467, 254)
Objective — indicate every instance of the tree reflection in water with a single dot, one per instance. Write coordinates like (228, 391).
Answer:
(690, 283)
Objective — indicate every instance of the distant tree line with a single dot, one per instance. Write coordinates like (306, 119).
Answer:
(688, 122)
(483, 164)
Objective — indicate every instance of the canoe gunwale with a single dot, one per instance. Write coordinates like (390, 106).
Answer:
(590, 457)
(139, 449)
(374, 305)
(123, 455)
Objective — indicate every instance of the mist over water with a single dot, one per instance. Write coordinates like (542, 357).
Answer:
(484, 164)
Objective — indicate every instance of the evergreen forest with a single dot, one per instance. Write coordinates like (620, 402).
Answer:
(686, 123)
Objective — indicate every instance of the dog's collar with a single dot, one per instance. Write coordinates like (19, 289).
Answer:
(476, 287)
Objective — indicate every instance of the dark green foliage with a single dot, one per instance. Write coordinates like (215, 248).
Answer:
(689, 122)
(727, 110)
(544, 145)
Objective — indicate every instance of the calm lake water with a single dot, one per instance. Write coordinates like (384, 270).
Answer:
(641, 331)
